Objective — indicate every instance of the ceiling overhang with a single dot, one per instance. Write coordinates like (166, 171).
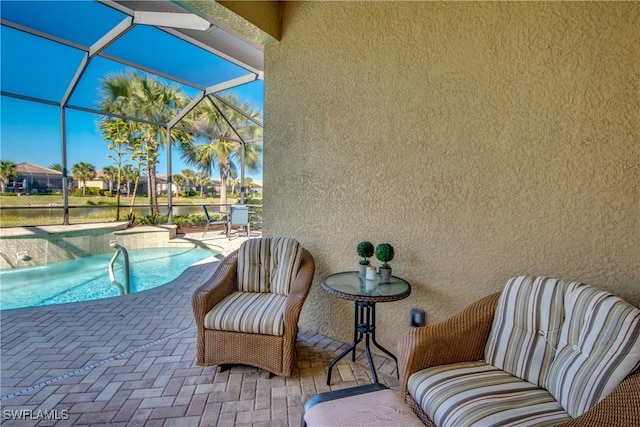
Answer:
(229, 36)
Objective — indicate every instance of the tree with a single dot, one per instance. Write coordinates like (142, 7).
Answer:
(83, 172)
(190, 177)
(233, 181)
(178, 180)
(223, 149)
(131, 175)
(56, 167)
(8, 171)
(110, 174)
(202, 179)
(119, 133)
(147, 98)
(248, 183)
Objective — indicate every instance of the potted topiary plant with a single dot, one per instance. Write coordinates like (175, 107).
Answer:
(365, 250)
(384, 253)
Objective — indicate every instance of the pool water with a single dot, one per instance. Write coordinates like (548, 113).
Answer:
(88, 278)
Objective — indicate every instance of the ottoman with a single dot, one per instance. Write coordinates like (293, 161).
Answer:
(367, 405)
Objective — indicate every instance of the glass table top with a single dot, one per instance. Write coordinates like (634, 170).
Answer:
(350, 285)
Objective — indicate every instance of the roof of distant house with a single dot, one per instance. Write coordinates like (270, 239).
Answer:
(27, 168)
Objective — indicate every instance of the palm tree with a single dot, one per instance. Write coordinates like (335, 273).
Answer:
(131, 175)
(224, 150)
(190, 177)
(110, 174)
(56, 167)
(83, 172)
(145, 97)
(202, 179)
(233, 181)
(8, 171)
(248, 183)
(178, 180)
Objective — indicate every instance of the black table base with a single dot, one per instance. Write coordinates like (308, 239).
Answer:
(364, 326)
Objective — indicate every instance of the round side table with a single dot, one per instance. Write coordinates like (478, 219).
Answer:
(365, 294)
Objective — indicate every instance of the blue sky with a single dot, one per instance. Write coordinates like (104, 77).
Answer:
(30, 132)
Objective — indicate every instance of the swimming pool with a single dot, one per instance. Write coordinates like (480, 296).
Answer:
(87, 278)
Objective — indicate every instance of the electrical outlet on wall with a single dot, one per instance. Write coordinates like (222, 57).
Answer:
(417, 317)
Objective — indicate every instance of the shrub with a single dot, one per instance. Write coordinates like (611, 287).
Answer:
(384, 253)
(365, 250)
(151, 219)
(90, 191)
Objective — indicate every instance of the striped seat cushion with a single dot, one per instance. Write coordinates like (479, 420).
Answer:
(478, 394)
(599, 346)
(526, 327)
(268, 265)
(249, 312)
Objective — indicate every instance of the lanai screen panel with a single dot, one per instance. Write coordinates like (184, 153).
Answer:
(23, 70)
(173, 57)
(81, 22)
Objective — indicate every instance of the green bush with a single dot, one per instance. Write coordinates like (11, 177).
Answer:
(151, 220)
(384, 253)
(90, 191)
(189, 220)
(365, 250)
(253, 200)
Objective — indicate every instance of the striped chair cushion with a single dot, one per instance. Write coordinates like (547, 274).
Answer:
(599, 346)
(250, 312)
(268, 264)
(474, 393)
(526, 327)
(286, 254)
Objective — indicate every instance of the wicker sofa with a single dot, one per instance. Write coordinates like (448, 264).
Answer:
(248, 312)
(542, 352)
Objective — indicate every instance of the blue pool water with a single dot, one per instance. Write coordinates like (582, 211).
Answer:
(87, 278)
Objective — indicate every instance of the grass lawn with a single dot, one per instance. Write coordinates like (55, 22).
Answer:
(104, 211)
(47, 200)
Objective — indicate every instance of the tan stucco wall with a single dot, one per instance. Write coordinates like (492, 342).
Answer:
(483, 140)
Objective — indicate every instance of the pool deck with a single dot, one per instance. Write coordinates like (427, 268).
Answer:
(130, 361)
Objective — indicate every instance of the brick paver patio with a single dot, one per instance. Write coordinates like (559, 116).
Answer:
(130, 361)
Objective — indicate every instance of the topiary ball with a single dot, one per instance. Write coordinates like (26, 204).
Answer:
(365, 249)
(384, 253)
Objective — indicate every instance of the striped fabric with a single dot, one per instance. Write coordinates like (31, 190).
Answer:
(286, 254)
(474, 393)
(526, 327)
(250, 312)
(268, 264)
(253, 262)
(599, 346)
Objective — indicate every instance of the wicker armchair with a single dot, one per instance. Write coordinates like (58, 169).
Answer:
(275, 354)
(462, 338)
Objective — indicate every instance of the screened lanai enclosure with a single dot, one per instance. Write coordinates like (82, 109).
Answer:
(142, 86)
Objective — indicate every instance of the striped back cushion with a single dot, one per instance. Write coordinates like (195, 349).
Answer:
(599, 346)
(286, 254)
(268, 264)
(253, 274)
(526, 327)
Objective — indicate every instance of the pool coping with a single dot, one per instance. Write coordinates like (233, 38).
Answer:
(34, 246)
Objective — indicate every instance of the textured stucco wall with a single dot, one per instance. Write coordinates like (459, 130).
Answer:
(483, 140)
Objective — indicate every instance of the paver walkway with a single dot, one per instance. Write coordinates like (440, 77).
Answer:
(130, 361)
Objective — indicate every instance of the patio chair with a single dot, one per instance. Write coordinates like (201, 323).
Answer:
(239, 217)
(223, 220)
(248, 312)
